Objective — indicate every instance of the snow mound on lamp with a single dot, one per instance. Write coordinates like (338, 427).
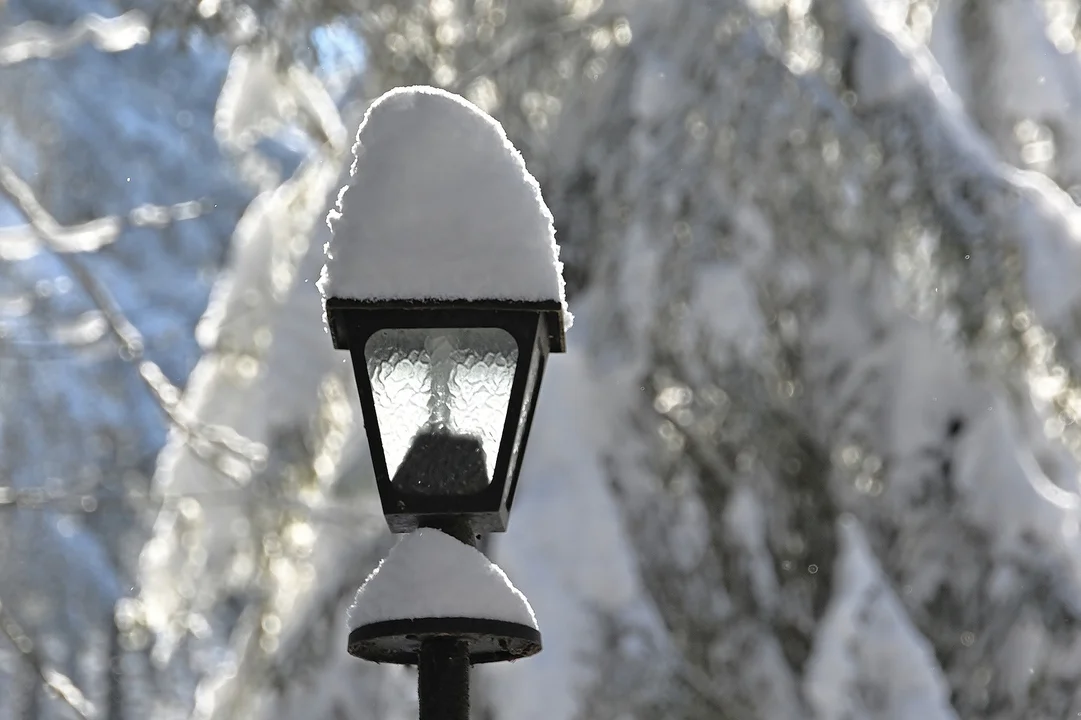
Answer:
(429, 574)
(439, 206)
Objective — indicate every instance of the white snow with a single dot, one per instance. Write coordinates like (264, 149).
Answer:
(867, 640)
(257, 100)
(946, 46)
(440, 205)
(746, 522)
(566, 544)
(656, 90)
(1005, 487)
(248, 381)
(726, 303)
(431, 574)
(1032, 78)
(1045, 220)
(36, 40)
(1051, 223)
(885, 68)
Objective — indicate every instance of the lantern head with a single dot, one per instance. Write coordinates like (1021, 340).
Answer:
(447, 391)
(443, 281)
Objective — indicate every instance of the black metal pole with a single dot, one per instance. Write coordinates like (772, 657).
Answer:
(457, 528)
(443, 665)
(443, 679)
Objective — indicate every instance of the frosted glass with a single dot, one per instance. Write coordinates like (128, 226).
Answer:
(441, 399)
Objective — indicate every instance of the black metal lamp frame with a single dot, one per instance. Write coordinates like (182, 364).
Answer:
(537, 329)
(401, 642)
(443, 649)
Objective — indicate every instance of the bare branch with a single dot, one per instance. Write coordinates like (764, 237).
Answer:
(87, 500)
(520, 45)
(206, 441)
(36, 40)
(24, 241)
(58, 682)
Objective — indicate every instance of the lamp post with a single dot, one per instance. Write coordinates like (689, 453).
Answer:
(442, 282)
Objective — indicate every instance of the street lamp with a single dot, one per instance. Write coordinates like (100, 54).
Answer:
(443, 283)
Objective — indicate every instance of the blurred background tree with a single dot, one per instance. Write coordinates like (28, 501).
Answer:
(814, 451)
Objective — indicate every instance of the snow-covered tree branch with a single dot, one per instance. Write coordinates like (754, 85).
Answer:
(36, 40)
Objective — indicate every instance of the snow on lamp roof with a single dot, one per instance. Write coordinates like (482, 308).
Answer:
(439, 206)
(430, 574)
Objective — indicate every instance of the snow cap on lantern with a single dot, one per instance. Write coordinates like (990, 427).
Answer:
(439, 206)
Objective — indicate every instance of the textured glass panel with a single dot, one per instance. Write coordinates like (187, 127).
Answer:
(441, 399)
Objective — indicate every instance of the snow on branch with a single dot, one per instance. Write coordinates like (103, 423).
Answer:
(866, 639)
(36, 40)
(1021, 81)
(251, 382)
(993, 213)
(897, 77)
(90, 499)
(257, 100)
(85, 237)
(63, 686)
(216, 444)
(21, 242)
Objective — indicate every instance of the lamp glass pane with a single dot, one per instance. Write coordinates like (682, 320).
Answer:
(441, 397)
(527, 402)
